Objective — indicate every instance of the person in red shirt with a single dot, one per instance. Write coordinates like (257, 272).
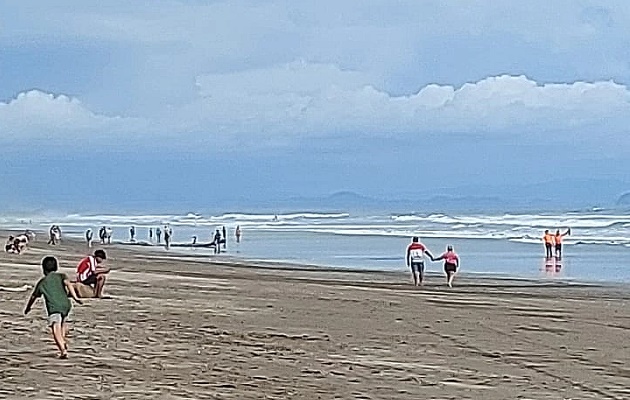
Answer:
(90, 272)
(451, 264)
(415, 260)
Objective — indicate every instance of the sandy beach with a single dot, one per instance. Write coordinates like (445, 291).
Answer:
(181, 327)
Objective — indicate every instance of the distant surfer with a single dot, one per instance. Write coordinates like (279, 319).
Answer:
(415, 260)
(451, 264)
(194, 240)
(132, 233)
(549, 241)
(238, 234)
(558, 241)
(150, 234)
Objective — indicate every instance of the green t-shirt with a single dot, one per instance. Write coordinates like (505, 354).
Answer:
(54, 291)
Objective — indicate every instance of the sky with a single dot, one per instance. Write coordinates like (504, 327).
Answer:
(205, 104)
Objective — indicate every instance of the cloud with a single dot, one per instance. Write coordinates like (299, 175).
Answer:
(38, 115)
(299, 99)
(323, 99)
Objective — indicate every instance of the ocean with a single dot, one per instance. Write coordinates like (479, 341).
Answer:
(498, 244)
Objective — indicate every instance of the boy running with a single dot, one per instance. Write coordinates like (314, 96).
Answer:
(55, 287)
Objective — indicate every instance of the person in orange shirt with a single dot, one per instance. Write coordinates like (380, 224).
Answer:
(549, 241)
(558, 241)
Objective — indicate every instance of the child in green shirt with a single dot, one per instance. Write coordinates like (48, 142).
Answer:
(55, 288)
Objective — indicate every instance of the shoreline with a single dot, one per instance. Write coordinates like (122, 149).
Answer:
(182, 326)
(280, 265)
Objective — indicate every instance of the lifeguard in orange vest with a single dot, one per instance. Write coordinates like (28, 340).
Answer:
(558, 241)
(549, 241)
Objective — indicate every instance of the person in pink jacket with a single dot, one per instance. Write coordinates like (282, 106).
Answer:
(451, 264)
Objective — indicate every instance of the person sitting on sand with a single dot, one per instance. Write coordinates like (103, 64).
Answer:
(55, 287)
(415, 260)
(558, 241)
(451, 264)
(90, 272)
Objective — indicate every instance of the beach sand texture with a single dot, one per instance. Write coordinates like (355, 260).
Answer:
(178, 327)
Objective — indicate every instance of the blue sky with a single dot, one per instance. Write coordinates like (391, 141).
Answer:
(204, 102)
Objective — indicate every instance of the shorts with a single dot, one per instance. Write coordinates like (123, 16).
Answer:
(417, 266)
(559, 247)
(90, 280)
(56, 318)
(448, 267)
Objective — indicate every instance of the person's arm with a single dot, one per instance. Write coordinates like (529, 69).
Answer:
(101, 270)
(73, 293)
(29, 305)
(568, 232)
(428, 253)
(439, 258)
(407, 257)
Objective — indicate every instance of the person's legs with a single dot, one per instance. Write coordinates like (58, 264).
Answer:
(414, 274)
(100, 283)
(55, 321)
(559, 251)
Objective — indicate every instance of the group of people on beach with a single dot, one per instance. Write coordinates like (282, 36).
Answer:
(56, 288)
(554, 241)
(415, 258)
(18, 243)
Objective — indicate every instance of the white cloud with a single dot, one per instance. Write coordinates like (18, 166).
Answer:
(35, 114)
(323, 99)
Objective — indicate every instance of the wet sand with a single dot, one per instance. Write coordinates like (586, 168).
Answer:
(180, 327)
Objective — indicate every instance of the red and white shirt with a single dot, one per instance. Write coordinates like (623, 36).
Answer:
(86, 268)
(415, 252)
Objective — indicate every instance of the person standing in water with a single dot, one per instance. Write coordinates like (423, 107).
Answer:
(238, 234)
(217, 242)
(415, 260)
(158, 234)
(224, 238)
(167, 236)
(451, 264)
(150, 234)
(132, 233)
(558, 241)
(549, 241)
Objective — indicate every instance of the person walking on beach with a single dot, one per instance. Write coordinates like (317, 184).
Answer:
(158, 234)
(415, 260)
(238, 234)
(150, 234)
(132, 233)
(558, 241)
(217, 242)
(168, 232)
(55, 287)
(55, 235)
(224, 238)
(451, 264)
(91, 272)
(101, 234)
(549, 241)
(88, 237)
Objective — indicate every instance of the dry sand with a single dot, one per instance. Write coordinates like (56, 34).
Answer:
(178, 327)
